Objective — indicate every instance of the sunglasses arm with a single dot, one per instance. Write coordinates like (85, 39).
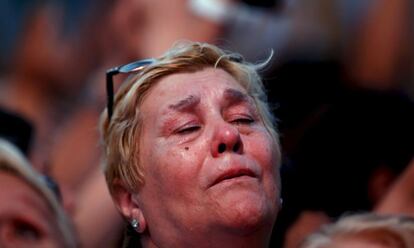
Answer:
(110, 89)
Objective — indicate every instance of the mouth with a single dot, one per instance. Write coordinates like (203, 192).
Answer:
(233, 174)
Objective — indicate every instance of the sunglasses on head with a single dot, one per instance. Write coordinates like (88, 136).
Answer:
(135, 66)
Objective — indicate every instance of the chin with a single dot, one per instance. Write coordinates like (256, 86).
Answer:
(246, 213)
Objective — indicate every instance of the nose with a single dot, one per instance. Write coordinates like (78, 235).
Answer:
(226, 138)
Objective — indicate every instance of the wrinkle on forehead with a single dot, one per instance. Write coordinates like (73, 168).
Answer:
(232, 93)
(235, 96)
(186, 103)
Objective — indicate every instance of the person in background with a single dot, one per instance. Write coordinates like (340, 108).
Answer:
(30, 213)
(399, 199)
(363, 231)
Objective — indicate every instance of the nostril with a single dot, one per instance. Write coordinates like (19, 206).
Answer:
(221, 148)
(236, 147)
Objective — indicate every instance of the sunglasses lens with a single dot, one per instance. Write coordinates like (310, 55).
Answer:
(135, 66)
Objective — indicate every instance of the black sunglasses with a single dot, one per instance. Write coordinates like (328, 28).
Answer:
(128, 68)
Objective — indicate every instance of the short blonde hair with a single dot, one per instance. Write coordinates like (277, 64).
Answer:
(391, 230)
(13, 161)
(121, 151)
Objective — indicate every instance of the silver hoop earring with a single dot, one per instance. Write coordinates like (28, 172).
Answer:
(135, 224)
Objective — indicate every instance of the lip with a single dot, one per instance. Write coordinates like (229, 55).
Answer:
(233, 173)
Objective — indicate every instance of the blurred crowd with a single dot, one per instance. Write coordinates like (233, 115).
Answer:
(341, 81)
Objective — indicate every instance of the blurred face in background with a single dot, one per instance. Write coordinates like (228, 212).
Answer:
(209, 163)
(360, 244)
(377, 239)
(25, 218)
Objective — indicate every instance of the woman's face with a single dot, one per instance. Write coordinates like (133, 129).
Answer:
(209, 163)
(25, 218)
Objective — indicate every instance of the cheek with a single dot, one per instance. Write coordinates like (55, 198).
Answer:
(173, 167)
(264, 151)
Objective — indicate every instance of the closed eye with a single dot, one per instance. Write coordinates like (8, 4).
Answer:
(242, 121)
(188, 130)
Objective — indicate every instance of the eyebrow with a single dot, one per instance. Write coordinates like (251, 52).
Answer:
(186, 103)
(233, 96)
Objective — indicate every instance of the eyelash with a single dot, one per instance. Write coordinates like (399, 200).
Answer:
(193, 128)
(243, 121)
(189, 129)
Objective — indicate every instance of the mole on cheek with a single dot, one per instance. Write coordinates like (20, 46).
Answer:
(186, 148)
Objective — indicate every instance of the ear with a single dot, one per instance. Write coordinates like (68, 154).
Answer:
(128, 205)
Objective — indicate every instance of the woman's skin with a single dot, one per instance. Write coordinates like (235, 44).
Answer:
(210, 166)
(25, 218)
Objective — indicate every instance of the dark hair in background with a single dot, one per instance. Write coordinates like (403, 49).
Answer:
(335, 139)
(264, 3)
(16, 129)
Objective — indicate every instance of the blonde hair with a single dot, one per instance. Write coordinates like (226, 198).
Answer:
(14, 162)
(393, 231)
(121, 132)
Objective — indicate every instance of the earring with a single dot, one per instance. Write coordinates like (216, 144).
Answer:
(135, 224)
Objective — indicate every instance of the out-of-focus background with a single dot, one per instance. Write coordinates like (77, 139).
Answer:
(341, 82)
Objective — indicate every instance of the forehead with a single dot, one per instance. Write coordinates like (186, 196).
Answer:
(211, 81)
(16, 194)
(11, 184)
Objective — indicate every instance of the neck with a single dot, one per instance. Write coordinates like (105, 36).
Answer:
(218, 238)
